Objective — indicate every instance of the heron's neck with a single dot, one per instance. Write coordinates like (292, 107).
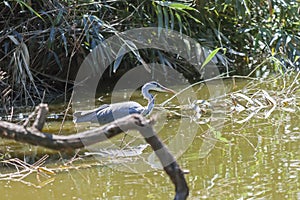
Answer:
(150, 106)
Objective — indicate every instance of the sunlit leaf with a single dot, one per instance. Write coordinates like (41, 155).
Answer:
(122, 51)
(181, 6)
(6, 47)
(276, 36)
(25, 53)
(232, 51)
(278, 44)
(31, 9)
(26, 63)
(296, 58)
(13, 39)
(288, 39)
(199, 53)
(7, 4)
(188, 47)
(191, 16)
(179, 22)
(164, 60)
(64, 39)
(246, 6)
(210, 57)
(172, 19)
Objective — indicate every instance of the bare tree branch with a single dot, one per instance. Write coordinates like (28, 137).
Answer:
(33, 135)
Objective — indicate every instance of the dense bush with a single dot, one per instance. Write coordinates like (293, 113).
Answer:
(44, 42)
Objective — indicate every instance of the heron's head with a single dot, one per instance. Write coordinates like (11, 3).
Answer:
(156, 87)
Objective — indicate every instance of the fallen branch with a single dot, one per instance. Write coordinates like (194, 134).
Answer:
(33, 135)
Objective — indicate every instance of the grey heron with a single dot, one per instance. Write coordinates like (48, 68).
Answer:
(110, 112)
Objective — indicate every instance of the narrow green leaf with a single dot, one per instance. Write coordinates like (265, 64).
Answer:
(52, 35)
(57, 60)
(7, 4)
(59, 16)
(191, 16)
(166, 17)
(31, 9)
(181, 6)
(25, 54)
(64, 39)
(179, 22)
(287, 40)
(210, 56)
(188, 47)
(160, 18)
(172, 19)
(122, 51)
(13, 39)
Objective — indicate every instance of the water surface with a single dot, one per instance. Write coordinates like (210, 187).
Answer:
(249, 156)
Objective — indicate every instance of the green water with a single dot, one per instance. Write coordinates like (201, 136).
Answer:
(256, 159)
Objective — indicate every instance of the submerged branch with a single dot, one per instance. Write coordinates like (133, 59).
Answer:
(33, 135)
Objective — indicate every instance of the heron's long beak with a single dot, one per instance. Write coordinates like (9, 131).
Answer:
(164, 89)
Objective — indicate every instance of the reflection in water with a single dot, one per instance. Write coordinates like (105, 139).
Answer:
(257, 159)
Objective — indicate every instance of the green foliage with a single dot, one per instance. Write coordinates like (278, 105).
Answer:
(250, 30)
(210, 57)
(259, 28)
(167, 12)
(58, 34)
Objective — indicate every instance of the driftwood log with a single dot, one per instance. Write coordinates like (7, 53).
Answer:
(33, 135)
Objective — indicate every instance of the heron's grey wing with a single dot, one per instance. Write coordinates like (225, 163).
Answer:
(118, 110)
(88, 115)
(127, 108)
